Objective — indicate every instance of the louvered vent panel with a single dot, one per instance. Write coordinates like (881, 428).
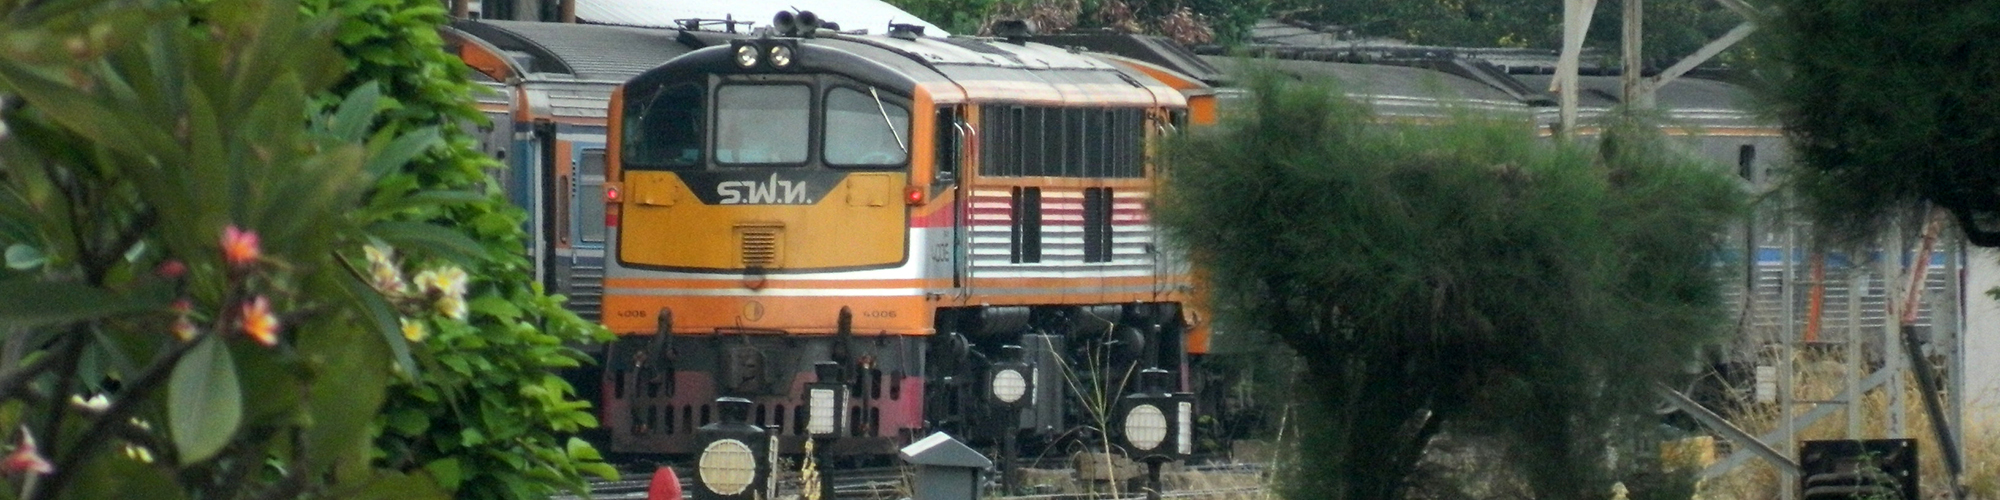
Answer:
(760, 246)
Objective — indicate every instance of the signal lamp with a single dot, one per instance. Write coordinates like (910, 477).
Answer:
(1158, 424)
(733, 463)
(1145, 427)
(781, 56)
(611, 194)
(1009, 380)
(746, 55)
(913, 195)
(727, 467)
(1184, 426)
(1009, 386)
(826, 400)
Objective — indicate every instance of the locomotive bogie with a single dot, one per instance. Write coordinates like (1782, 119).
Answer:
(655, 407)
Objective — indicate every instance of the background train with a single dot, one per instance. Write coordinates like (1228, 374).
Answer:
(927, 316)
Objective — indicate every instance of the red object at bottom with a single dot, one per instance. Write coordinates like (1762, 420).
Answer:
(665, 485)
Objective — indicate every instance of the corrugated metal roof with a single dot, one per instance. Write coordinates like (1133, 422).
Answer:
(872, 15)
(588, 52)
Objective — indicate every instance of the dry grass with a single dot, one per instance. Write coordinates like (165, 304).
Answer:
(1821, 379)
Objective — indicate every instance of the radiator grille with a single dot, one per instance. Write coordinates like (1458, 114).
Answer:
(760, 246)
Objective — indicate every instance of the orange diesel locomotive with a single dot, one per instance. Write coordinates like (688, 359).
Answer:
(953, 232)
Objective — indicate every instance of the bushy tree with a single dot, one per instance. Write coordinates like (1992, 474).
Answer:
(180, 221)
(1888, 105)
(486, 415)
(1459, 277)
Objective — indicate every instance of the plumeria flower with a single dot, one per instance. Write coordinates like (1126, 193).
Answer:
(449, 283)
(452, 307)
(448, 280)
(96, 404)
(414, 330)
(239, 247)
(139, 453)
(184, 325)
(26, 458)
(259, 323)
(382, 270)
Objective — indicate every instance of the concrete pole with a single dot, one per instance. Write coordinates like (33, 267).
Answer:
(1635, 95)
(1576, 24)
(1788, 334)
(1892, 351)
(1857, 284)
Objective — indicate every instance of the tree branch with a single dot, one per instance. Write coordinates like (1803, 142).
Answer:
(121, 410)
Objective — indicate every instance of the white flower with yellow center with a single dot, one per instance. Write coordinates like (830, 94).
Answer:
(382, 270)
(414, 330)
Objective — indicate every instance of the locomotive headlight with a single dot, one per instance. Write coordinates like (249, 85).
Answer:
(746, 55)
(781, 56)
(727, 467)
(1009, 386)
(1145, 427)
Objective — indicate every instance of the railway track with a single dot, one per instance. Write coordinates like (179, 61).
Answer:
(890, 483)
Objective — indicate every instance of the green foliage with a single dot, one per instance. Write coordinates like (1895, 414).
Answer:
(485, 414)
(1461, 276)
(179, 200)
(1888, 105)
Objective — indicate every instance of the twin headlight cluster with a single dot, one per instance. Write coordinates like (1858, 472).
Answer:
(774, 53)
(777, 53)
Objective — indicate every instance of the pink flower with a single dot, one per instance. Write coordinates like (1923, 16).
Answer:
(259, 323)
(26, 458)
(240, 247)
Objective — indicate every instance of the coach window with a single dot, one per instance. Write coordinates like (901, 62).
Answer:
(666, 131)
(866, 129)
(762, 124)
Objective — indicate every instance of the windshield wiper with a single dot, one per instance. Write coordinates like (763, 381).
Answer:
(886, 122)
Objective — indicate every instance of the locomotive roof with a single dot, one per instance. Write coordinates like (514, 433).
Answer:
(872, 15)
(964, 69)
(990, 69)
(584, 51)
(1692, 101)
(1391, 90)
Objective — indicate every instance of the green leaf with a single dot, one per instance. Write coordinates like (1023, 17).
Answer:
(356, 113)
(204, 401)
(430, 238)
(599, 469)
(400, 151)
(409, 422)
(28, 303)
(495, 306)
(425, 199)
(385, 319)
(392, 486)
(582, 450)
(447, 472)
(22, 257)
